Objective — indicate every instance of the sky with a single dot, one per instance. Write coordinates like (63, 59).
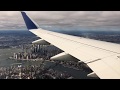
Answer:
(63, 20)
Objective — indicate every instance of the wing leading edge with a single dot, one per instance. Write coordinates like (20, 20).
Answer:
(102, 57)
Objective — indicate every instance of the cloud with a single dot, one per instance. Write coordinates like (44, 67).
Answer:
(62, 19)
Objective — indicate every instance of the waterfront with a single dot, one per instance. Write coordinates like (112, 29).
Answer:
(5, 54)
(6, 62)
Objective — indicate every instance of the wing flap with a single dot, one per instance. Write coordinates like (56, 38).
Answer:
(107, 68)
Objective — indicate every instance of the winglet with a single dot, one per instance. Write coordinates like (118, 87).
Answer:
(29, 22)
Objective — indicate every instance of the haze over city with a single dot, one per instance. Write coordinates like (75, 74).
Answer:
(64, 20)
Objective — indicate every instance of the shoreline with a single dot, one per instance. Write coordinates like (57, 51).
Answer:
(11, 58)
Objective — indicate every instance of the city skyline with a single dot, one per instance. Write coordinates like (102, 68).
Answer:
(63, 20)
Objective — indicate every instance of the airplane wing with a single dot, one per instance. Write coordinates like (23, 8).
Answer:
(102, 57)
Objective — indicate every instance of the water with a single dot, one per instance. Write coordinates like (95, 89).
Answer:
(78, 74)
(5, 54)
(6, 62)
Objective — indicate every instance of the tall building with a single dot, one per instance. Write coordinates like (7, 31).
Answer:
(35, 49)
(14, 55)
(38, 48)
(32, 49)
(22, 56)
(19, 55)
(30, 56)
(27, 57)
